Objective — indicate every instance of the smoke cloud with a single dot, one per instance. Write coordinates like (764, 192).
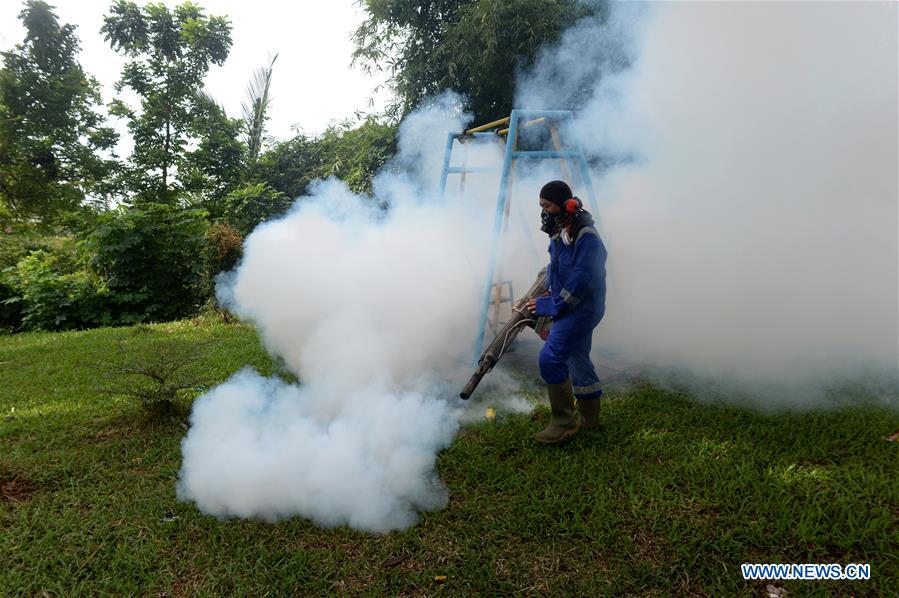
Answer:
(747, 183)
(374, 312)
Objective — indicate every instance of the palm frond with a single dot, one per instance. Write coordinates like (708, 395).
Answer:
(255, 109)
(204, 98)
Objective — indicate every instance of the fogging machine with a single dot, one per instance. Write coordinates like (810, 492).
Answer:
(506, 335)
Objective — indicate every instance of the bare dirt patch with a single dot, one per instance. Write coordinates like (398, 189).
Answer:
(14, 488)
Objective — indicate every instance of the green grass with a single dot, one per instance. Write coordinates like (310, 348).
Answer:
(668, 500)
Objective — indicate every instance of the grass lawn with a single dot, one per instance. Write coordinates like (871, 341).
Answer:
(668, 500)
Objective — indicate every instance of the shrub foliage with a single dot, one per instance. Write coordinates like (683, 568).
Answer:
(152, 260)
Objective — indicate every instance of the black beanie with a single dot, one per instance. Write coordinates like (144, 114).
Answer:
(556, 192)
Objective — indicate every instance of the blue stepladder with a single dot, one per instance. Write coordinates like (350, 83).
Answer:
(506, 131)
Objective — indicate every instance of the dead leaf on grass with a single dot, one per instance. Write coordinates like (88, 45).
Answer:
(16, 489)
(393, 562)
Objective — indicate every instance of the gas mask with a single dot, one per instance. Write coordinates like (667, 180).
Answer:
(552, 224)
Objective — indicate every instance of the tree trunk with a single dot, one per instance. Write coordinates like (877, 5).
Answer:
(165, 163)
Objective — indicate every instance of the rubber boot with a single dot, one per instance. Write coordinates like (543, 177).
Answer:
(589, 410)
(564, 423)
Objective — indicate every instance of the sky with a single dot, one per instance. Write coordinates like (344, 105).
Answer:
(313, 81)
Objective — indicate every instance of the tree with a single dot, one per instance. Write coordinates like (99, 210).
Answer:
(471, 46)
(356, 153)
(255, 111)
(170, 53)
(52, 139)
(215, 167)
(289, 166)
(352, 153)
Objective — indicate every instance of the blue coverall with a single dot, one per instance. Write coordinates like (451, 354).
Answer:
(577, 302)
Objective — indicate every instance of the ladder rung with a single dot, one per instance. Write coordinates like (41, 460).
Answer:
(487, 126)
(536, 121)
(503, 298)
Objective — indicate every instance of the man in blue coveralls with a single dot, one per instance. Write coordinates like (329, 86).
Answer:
(576, 303)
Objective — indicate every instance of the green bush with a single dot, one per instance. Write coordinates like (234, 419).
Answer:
(10, 310)
(40, 297)
(137, 265)
(153, 261)
(14, 247)
(17, 243)
(253, 203)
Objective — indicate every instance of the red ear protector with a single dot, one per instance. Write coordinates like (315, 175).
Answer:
(573, 205)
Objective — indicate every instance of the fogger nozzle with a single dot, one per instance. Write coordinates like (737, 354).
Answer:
(505, 336)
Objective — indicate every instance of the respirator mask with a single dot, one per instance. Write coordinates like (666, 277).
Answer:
(552, 224)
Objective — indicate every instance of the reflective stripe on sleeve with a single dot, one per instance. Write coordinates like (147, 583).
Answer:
(568, 297)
